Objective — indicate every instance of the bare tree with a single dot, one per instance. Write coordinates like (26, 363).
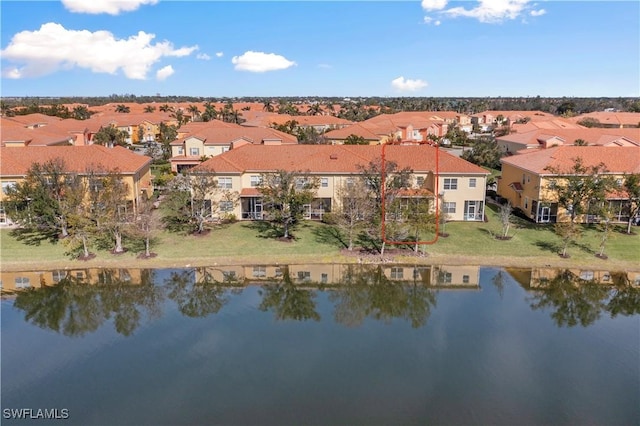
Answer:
(354, 210)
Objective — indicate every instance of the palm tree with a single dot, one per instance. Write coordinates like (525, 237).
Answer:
(165, 108)
(210, 112)
(268, 106)
(194, 111)
(122, 108)
(315, 109)
(81, 112)
(149, 108)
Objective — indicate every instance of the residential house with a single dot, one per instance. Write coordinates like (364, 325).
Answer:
(460, 184)
(320, 123)
(526, 181)
(134, 169)
(214, 139)
(611, 119)
(546, 138)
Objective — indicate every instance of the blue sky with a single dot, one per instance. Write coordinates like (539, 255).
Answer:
(303, 48)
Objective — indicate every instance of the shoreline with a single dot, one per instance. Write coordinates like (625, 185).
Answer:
(429, 259)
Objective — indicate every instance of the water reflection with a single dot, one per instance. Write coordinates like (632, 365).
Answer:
(574, 298)
(73, 308)
(78, 302)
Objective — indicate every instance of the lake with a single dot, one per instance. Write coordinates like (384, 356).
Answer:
(321, 345)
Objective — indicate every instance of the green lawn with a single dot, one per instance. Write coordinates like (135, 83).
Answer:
(250, 242)
(531, 240)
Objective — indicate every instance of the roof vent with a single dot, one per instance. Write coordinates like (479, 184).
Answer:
(334, 156)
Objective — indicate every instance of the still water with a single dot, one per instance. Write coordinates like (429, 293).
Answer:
(322, 345)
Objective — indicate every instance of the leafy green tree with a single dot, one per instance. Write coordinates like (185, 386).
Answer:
(579, 188)
(81, 112)
(355, 140)
(268, 106)
(631, 186)
(194, 111)
(176, 208)
(290, 127)
(110, 208)
(168, 134)
(590, 122)
(110, 136)
(210, 112)
(381, 183)
(485, 152)
(284, 196)
(354, 209)
(580, 142)
(44, 200)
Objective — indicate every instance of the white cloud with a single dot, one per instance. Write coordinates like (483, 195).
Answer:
(434, 4)
(219, 54)
(430, 20)
(112, 7)
(164, 73)
(408, 85)
(54, 47)
(486, 11)
(491, 11)
(203, 56)
(261, 62)
(324, 66)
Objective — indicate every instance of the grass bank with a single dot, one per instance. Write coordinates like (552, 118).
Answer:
(250, 243)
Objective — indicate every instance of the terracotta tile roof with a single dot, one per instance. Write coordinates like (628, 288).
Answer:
(593, 136)
(616, 159)
(355, 129)
(216, 135)
(16, 161)
(611, 118)
(32, 119)
(40, 136)
(267, 119)
(517, 115)
(334, 159)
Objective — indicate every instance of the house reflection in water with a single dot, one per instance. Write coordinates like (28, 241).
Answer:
(466, 277)
(531, 278)
(12, 281)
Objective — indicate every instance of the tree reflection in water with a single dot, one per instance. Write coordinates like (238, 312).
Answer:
(366, 291)
(74, 308)
(196, 297)
(288, 301)
(574, 301)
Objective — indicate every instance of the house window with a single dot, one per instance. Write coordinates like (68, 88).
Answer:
(523, 178)
(449, 207)
(304, 276)
(397, 273)
(420, 181)
(229, 275)
(450, 183)
(225, 183)
(324, 278)
(259, 271)
(180, 151)
(225, 148)
(526, 203)
(278, 272)
(446, 277)
(350, 182)
(194, 151)
(465, 279)
(472, 182)
(256, 181)
(226, 206)
(619, 182)
(6, 186)
(301, 183)
(58, 275)
(324, 182)
(23, 282)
